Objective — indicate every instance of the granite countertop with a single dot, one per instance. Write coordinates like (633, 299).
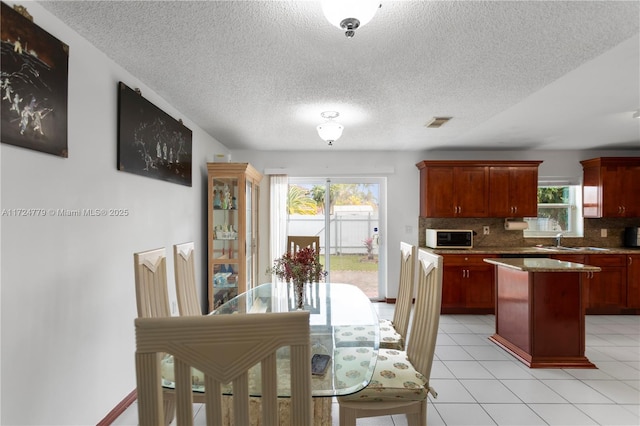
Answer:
(542, 265)
(537, 250)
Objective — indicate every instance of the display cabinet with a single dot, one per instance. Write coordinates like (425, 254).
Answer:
(233, 195)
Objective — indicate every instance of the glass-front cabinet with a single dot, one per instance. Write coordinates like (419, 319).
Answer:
(233, 194)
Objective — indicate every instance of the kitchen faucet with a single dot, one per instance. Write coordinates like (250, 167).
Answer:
(559, 239)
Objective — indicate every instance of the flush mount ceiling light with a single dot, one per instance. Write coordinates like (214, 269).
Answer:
(349, 15)
(331, 130)
(636, 114)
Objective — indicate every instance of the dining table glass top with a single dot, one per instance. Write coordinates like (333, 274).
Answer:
(343, 324)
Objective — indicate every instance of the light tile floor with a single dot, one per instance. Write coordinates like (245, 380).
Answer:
(480, 384)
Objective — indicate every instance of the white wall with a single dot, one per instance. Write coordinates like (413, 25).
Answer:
(68, 300)
(403, 182)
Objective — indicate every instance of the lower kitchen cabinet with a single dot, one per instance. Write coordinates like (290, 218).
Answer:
(607, 288)
(633, 281)
(605, 292)
(468, 285)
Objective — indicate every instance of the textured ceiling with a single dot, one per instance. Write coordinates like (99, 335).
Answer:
(257, 75)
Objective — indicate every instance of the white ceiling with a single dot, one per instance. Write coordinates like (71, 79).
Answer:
(257, 75)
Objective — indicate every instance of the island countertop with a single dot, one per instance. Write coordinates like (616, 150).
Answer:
(542, 265)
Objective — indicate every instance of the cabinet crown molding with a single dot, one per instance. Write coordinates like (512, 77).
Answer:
(476, 163)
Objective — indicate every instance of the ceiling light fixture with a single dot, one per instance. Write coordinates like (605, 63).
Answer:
(331, 130)
(350, 15)
(636, 114)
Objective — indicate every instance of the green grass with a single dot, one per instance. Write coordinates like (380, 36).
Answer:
(352, 262)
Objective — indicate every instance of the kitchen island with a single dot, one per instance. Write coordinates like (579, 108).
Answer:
(540, 311)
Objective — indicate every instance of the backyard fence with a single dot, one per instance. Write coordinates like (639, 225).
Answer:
(348, 230)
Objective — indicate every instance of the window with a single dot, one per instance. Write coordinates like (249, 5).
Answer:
(559, 210)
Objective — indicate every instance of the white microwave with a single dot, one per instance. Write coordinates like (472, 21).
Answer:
(450, 238)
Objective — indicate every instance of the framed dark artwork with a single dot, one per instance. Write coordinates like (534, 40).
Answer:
(34, 80)
(150, 142)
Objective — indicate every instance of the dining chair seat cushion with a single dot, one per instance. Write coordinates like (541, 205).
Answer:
(394, 378)
(389, 337)
(354, 335)
(357, 335)
(348, 362)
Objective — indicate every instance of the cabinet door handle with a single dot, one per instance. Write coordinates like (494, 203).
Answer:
(630, 260)
(624, 209)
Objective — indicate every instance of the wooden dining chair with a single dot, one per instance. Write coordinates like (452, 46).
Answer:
(400, 383)
(393, 332)
(185, 275)
(296, 242)
(225, 348)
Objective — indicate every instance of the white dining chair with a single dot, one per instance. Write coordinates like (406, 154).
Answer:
(152, 299)
(400, 383)
(185, 277)
(393, 332)
(224, 348)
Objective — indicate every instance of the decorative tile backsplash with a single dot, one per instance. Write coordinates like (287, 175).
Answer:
(499, 237)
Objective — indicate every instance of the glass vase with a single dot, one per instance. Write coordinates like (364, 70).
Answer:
(298, 294)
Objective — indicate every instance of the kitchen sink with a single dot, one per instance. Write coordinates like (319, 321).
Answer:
(572, 249)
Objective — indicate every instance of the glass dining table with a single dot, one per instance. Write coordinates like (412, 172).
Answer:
(343, 324)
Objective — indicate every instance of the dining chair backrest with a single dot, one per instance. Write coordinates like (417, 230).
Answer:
(402, 310)
(185, 275)
(224, 348)
(152, 298)
(297, 242)
(426, 314)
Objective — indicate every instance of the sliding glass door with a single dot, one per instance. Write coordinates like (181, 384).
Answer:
(348, 215)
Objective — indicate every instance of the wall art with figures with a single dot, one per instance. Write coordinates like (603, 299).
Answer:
(33, 82)
(150, 142)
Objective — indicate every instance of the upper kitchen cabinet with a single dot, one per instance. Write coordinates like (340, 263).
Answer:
(611, 186)
(453, 189)
(471, 188)
(514, 190)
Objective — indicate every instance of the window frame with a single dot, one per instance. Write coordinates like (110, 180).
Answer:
(574, 207)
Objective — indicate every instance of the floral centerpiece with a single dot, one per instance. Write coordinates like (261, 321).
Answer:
(300, 267)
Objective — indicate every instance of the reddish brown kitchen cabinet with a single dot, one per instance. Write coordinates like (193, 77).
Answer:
(449, 190)
(607, 288)
(467, 284)
(611, 186)
(633, 281)
(468, 188)
(605, 292)
(513, 191)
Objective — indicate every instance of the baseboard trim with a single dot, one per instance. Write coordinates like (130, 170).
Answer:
(119, 409)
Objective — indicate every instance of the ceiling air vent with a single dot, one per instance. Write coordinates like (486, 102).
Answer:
(436, 122)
